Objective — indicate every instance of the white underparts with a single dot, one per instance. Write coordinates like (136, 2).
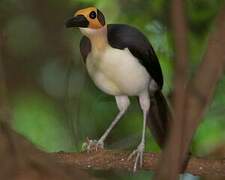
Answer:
(114, 71)
(117, 72)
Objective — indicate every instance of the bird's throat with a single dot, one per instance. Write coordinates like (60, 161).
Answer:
(98, 43)
(98, 38)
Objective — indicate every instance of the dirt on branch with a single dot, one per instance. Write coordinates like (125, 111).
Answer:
(117, 160)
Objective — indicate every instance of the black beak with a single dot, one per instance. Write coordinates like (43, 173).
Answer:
(78, 21)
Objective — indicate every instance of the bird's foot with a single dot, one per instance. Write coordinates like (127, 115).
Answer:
(92, 145)
(139, 156)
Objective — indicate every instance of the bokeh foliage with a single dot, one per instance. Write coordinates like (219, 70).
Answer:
(54, 102)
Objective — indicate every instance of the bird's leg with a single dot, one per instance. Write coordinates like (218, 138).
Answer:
(145, 104)
(123, 104)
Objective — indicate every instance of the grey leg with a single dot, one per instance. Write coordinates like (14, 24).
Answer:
(123, 104)
(145, 105)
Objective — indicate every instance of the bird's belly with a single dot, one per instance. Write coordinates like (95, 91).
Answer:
(117, 72)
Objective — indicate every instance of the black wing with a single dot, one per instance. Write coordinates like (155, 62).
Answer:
(122, 36)
(85, 47)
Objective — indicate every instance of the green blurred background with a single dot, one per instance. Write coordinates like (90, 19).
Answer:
(56, 105)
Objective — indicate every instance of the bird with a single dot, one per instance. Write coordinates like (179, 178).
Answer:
(122, 62)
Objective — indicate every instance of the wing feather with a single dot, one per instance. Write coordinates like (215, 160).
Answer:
(85, 48)
(123, 36)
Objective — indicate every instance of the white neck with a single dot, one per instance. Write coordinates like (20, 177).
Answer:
(98, 38)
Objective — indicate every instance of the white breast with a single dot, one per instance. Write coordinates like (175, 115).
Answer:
(117, 72)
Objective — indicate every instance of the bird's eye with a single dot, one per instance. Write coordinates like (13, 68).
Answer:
(93, 15)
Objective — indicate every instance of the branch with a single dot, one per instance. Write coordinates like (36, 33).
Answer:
(29, 162)
(117, 160)
(172, 151)
(198, 94)
(4, 104)
(202, 87)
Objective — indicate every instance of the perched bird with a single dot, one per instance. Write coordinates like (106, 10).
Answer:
(122, 63)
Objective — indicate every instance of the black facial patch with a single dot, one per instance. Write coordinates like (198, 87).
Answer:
(78, 21)
(100, 17)
(93, 15)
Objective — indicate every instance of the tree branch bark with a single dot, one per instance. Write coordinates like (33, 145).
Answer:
(201, 88)
(172, 152)
(195, 99)
(4, 104)
(117, 160)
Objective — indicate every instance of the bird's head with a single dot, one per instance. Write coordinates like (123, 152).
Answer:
(90, 18)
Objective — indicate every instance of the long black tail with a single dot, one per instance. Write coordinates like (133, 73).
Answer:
(158, 118)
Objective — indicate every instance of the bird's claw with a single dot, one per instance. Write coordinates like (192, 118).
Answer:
(92, 145)
(139, 156)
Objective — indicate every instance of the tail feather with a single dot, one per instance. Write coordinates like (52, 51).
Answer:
(158, 118)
